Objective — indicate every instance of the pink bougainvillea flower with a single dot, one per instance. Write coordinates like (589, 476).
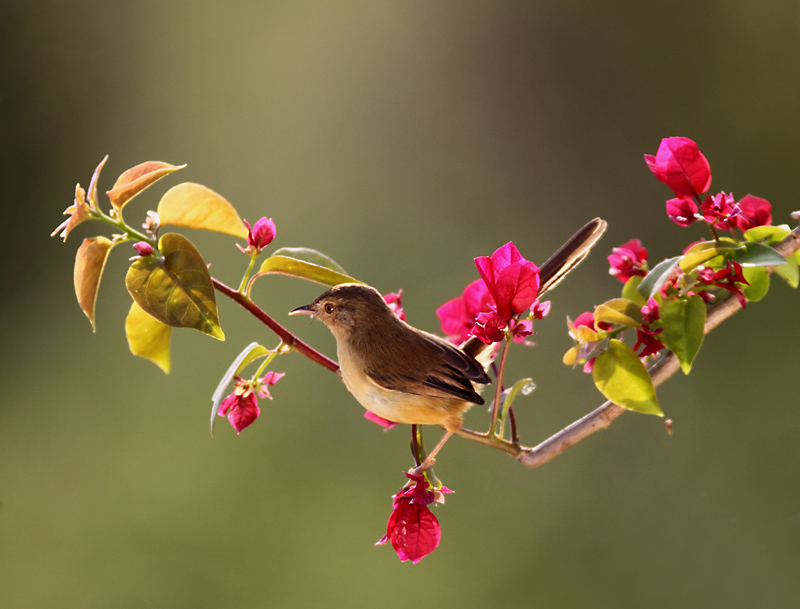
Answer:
(628, 260)
(412, 529)
(727, 278)
(512, 281)
(457, 316)
(753, 211)
(394, 300)
(241, 406)
(489, 327)
(646, 335)
(682, 211)
(720, 210)
(385, 423)
(680, 165)
(259, 236)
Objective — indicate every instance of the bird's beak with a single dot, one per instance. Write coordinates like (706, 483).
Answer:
(304, 310)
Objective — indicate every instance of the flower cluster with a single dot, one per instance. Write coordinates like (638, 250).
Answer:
(259, 236)
(680, 165)
(490, 307)
(412, 529)
(241, 406)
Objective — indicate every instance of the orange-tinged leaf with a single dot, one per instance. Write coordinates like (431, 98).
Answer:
(148, 337)
(92, 196)
(89, 264)
(77, 212)
(196, 206)
(174, 286)
(133, 181)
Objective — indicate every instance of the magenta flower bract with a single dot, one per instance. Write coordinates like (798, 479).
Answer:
(241, 406)
(412, 529)
(512, 281)
(628, 260)
(680, 165)
(753, 211)
(457, 316)
(682, 211)
(261, 234)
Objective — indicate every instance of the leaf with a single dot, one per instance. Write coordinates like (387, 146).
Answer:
(789, 271)
(622, 378)
(175, 287)
(701, 253)
(92, 195)
(133, 181)
(683, 321)
(196, 206)
(770, 234)
(248, 354)
(308, 255)
(657, 277)
(619, 311)
(630, 290)
(758, 278)
(758, 254)
(148, 337)
(525, 386)
(304, 270)
(89, 264)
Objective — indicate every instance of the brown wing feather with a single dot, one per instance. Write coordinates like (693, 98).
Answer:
(451, 375)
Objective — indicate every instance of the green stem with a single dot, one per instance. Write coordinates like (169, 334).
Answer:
(246, 276)
(499, 387)
(120, 224)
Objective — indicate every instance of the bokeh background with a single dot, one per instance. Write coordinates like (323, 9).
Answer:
(402, 139)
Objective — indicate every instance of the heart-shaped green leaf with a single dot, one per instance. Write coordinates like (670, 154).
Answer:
(89, 264)
(758, 254)
(622, 378)
(758, 278)
(770, 234)
(630, 290)
(175, 287)
(308, 255)
(148, 337)
(196, 206)
(683, 321)
(702, 252)
(789, 271)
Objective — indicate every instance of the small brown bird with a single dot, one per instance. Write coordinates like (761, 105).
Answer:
(406, 375)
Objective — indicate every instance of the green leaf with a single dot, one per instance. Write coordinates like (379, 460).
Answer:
(148, 337)
(622, 378)
(630, 290)
(248, 354)
(770, 234)
(619, 311)
(657, 277)
(702, 252)
(683, 321)
(524, 386)
(196, 206)
(308, 255)
(90, 261)
(758, 278)
(175, 287)
(789, 271)
(758, 254)
(133, 181)
(294, 267)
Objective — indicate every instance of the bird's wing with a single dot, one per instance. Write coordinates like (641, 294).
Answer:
(450, 376)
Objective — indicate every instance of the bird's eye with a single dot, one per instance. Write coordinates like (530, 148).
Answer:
(328, 308)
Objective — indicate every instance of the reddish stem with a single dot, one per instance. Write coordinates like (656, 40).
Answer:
(287, 337)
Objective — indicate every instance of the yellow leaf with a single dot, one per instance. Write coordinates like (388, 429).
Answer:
(133, 181)
(148, 337)
(196, 206)
(89, 264)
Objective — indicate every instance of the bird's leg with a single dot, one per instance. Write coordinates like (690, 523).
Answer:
(431, 458)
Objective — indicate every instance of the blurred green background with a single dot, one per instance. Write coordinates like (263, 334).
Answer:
(402, 139)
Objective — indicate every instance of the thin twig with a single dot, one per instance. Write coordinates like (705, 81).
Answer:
(287, 337)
